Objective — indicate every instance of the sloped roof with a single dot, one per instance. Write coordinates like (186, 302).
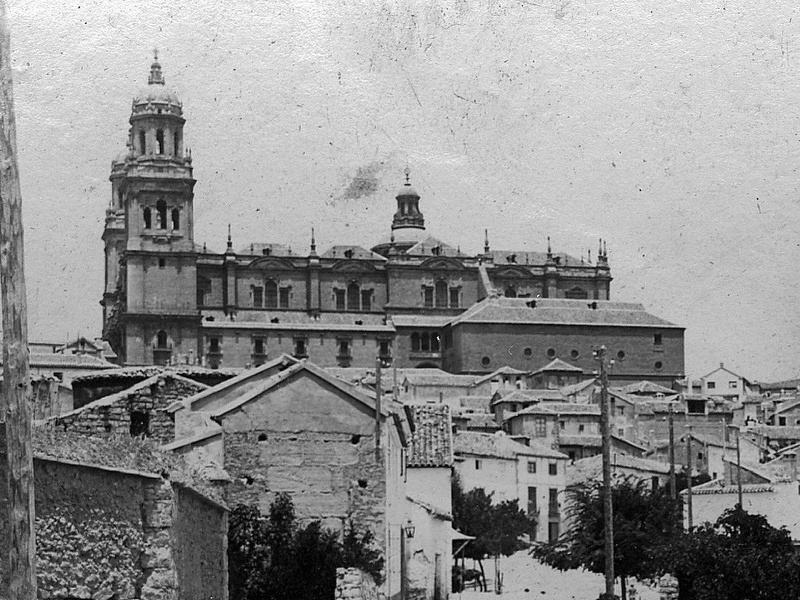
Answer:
(561, 408)
(756, 470)
(528, 396)
(437, 377)
(432, 441)
(428, 245)
(297, 320)
(560, 311)
(786, 384)
(498, 445)
(716, 486)
(501, 371)
(577, 388)
(529, 258)
(257, 249)
(558, 365)
(777, 432)
(787, 406)
(68, 361)
(121, 396)
(119, 373)
(345, 252)
(592, 467)
(283, 359)
(359, 394)
(475, 420)
(419, 320)
(646, 387)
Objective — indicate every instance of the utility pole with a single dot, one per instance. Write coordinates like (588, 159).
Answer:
(608, 510)
(378, 394)
(673, 489)
(21, 541)
(739, 468)
(689, 476)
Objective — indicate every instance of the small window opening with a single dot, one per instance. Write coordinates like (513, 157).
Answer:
(355, 439)
(362, 483)
(161, 339)
(176, 219)
(262, 437)
(148, 218)
(162, 262)
(142, 144)
(160, 140)
(140, 424)
(161, 208)
(657, 341)
(176, 145)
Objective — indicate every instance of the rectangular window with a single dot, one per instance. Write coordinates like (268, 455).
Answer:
(540, 427)
(339, 299)
(552, 531)
(258, 296)
(580, 428)
(213, 345)
(533, 507)
(478, 464)
(284, 297)
(562, 425)
(427, 293)
(344, 349)
(366, 300)
(711, 385)
(621, 411)
(553, 502)
(531, 466)
(140, 424)
(552, 468)
(781, 420)
(657, 341)
(300, 348)
(455, 294)
(384, 351)
(258, 345)
(732, 385)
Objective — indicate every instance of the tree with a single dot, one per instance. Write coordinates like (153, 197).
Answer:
(499, 529)
(273, 558)
(739, 557)
(645, 522)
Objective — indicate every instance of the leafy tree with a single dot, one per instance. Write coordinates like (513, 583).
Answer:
(274, 558)
(739, 557)
(645, 523)
(499, 529)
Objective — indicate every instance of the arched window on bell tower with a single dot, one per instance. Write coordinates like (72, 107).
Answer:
(148, 218)
(161, 207)
(160, 140)
(161, 340)
(142, 144)
(176, 219)
(176, 144)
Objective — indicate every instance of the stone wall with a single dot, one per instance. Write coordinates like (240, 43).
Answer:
(354, 584)
(105, 534)
(113, 413)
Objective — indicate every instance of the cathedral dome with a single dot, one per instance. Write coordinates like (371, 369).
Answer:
(407, 190)
(156, 94)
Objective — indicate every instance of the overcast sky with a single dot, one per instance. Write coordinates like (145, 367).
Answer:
(668, 128)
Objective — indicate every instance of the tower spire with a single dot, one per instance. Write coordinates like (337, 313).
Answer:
(549, 249)
(313, 243)
(230, 240)
(155, 70)
(486, 241)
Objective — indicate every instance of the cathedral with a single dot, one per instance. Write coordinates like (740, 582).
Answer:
(410, 299)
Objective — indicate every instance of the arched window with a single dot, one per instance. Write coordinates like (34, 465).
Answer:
(435, 342)
(441, 294)
(271, 294)
(415, 342)
(176, 219)
(510, 292)
(161, 208)
(142, 144)
(161, 339)
(160, 140)
(353, 296)
(176, 144)
(148, 218)
(426, 342)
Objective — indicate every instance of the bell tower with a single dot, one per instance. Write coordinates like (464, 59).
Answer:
(150, 306)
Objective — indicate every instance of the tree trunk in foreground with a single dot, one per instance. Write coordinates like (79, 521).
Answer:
(21, 543)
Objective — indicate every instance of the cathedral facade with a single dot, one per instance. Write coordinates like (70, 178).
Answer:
(167, 299)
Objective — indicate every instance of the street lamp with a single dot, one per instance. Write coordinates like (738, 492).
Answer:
(409, 529)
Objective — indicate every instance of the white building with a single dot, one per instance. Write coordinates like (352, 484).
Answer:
(533, 475)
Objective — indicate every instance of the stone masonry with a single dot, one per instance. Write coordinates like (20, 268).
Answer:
(354, 584)
(138, 410)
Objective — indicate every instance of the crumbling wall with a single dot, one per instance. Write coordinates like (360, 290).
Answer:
(354, 584)
(113, 415)
(200, 531)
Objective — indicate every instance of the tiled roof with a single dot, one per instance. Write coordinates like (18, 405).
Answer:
(577, 388)
(502, 371)
(528, 396)
(475, 420)
(552, 311)
(257, 249)
(777, 432)
(561, 408)
(592, 467)
(787, 384)
(787, 406)
(431, 443)
(716, 487)
(68, 361)
(646, 387)
(481, 403)
(351, 252)
(143, 372)
(297, 320)
(525, 257)
(437, 377)
(580, 440)
(426, 248)
(420, 320)
(498, 445)
(559, 366)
